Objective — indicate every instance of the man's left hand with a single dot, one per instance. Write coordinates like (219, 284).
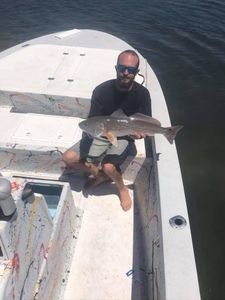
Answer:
(137, 135)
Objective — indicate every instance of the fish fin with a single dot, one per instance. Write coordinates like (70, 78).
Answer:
(99, 132)
(118, 114)
(110, 136)
(171, 132)
(142, 117)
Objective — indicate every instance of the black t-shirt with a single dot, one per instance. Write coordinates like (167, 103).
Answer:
(106, 99)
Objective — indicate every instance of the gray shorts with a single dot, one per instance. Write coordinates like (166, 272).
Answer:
(100, 150)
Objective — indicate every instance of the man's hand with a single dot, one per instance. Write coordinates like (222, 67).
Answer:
(137, 135)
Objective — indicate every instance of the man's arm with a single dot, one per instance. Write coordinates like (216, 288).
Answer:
(96, 108)
(146, 107)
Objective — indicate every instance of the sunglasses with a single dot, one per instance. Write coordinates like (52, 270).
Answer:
(130, 70)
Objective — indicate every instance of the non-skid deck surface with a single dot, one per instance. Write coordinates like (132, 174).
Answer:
(103, 256)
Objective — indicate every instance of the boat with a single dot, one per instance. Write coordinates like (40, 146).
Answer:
(58, 240)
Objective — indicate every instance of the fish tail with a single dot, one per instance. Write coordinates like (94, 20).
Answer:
(171, 132)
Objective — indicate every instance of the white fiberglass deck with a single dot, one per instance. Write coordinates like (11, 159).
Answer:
(103, 261)
(59, 70)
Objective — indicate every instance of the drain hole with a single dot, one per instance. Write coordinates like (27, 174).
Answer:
(178, 222)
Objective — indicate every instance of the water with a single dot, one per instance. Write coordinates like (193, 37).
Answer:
(184, 43)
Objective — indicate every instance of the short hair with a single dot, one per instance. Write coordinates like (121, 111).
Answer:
(132, 52)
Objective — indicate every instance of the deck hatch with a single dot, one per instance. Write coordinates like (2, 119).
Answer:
(39, 129)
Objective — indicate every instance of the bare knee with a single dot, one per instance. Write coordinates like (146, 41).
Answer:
(108, 168)
(70, 157)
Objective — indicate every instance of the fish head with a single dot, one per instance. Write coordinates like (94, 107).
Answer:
(92, 127)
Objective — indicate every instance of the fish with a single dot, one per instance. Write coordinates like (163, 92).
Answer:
(118, 124)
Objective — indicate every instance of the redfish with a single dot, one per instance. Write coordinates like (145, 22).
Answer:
(118, 124)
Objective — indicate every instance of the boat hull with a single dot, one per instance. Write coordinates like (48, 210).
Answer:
(146, 253)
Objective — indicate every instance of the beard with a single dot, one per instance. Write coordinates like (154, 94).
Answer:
(124, 82)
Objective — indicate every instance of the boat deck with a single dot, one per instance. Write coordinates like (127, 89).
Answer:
(104, 250)
(103, 259)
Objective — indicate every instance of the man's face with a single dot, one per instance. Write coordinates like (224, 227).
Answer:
(126, 70)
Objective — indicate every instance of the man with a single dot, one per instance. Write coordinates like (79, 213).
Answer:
(122, 93)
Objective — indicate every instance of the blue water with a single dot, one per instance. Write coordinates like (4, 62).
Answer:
(184, 43)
